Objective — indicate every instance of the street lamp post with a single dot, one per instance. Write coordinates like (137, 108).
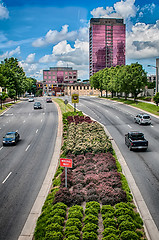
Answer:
(156, 76)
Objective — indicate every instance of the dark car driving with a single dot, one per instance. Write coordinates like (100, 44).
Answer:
(37, 105)
(11, 138)
(136, 140)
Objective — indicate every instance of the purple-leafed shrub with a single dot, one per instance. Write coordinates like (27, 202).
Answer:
(63, 195)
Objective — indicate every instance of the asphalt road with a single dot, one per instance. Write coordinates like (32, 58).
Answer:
(23, 167)
(144, 166)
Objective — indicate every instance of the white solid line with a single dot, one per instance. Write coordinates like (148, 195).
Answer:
(37, 130)
(27, 148)
(129, 126)
(7, 177)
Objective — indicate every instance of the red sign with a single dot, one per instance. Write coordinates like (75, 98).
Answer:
(66, 162)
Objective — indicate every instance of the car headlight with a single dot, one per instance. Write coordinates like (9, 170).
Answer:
(13, 140)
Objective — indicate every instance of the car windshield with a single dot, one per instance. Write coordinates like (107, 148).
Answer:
(146, 117)
(9, 135)
(137, 136)
(37, 103)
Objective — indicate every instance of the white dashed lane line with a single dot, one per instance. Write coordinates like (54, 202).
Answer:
(27, 148)
(37, 130)
(129, 126)
(1, 148)
(6, 178)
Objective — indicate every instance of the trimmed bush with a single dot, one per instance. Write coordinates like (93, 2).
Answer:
(55, 219)
(129, 235)
(110, 230)
(111, 236)
(107, 208)
(76, 208)
(54, 227)
(90, 227)
(90, 219)
(73, 230)
(122, 218)
(125, 225)
(58, 212)
(74, 222)
(109, 222)
(93, 204)
(89, 236)
(53, 235)
(60, 205)
(92, 211)
(72, 237)
(75, 214)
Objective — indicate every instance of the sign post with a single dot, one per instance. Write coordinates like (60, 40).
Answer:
(65, 102)
(67, 163)
(75, 99)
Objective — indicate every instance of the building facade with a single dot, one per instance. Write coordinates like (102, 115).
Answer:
(56, 78)
(82, 89)
(106, 43)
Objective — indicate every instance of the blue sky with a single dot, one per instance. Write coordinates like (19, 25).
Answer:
(43, 34)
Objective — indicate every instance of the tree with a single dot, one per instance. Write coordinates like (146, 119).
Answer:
(14, 75)
(138, 79)
(12, 93)
(156, 98)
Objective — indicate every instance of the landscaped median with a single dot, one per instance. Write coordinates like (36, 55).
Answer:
(97, 203)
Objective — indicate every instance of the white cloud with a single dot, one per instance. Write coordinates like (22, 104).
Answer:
(4, 13)
(30, 58)
(11, 53)
(125, 9)
(65, 55)
(143, 41)
(53, 37)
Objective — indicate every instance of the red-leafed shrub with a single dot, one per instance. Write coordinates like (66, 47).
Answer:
(63, 195)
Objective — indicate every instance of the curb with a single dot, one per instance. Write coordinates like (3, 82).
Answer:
(27, 232)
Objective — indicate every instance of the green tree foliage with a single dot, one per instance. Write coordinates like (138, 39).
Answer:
(156, 98)
(120, 79)
(13, 78)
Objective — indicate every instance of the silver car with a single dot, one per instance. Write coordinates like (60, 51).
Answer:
(143, 118)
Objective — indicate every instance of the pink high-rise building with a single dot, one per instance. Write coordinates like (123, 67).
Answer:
(106, 43)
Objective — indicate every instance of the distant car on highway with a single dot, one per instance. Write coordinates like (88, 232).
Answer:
(11, 138)
(37, 105)
(31, 100)
(143, 118)
(49, 100)
(136, 140)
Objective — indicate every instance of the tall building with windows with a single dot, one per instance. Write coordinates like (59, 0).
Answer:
(106, 43)
(56, 78)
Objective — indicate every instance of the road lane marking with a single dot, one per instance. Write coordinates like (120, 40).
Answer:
(1, 148)
(117, 117)
(6, 178)
(41, 120)
(129, 126)
(37, 130)
(24, 121)
(27, 148)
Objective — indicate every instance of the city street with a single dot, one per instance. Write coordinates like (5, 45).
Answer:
(23, 167)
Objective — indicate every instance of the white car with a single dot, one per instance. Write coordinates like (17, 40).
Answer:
(143, 118)
(31, 100)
